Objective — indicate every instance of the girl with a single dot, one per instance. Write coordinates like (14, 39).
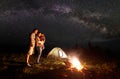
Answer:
(40, 40)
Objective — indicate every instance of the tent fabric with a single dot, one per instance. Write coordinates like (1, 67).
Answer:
(57, 52)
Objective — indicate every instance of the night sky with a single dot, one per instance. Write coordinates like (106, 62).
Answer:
(64, 22)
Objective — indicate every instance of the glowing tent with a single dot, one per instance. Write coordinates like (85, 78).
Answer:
(57, 52)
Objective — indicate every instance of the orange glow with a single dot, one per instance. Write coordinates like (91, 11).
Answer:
(75, 63)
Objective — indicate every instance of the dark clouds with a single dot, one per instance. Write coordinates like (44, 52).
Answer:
(62, 21)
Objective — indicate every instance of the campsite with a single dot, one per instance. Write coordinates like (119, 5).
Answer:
(74, 39)
(95, 65)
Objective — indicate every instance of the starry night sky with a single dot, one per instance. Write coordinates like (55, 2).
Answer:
(64, 22)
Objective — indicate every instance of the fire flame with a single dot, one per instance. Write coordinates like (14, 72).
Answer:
(75, 63)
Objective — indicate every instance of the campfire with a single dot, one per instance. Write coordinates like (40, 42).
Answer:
(75, 63)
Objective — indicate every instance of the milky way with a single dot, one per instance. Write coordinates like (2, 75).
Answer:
(68, 19)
